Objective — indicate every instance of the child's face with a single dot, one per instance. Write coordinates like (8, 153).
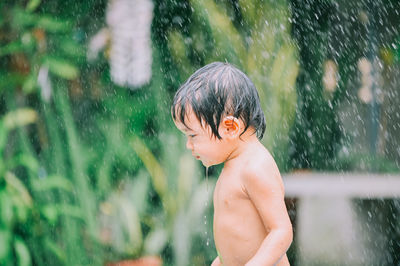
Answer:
(204, 147)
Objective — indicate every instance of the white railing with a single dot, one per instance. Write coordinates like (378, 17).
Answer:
(330, 228)
(349, 185)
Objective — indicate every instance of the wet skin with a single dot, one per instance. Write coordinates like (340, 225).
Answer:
(251, 224)
(239, 228)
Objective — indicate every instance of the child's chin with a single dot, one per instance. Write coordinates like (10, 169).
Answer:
(206, 164)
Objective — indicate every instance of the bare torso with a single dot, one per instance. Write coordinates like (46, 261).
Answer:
(238, 228)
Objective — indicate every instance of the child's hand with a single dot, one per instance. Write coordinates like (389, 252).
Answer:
(216, 262)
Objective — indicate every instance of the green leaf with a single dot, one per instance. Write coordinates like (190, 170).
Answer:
(139, 192)
(16, 184)
(228, 45)
(131, 223)
(152, 165)
(72, 48)
(397, 53)
(3, 137)
(70, 210)
(19, 117)
(6, 209)
(121, 219)
(20, 209)
(5, 241)
(22, 18)
(178, 51)
(25, 160)
(13, 47)
(61, 68)
(29, 85)
(53, 25)
(50, 213)
(156, 241)
(22, 252)
(52, 182)
(32, 5)
(55, 249)
(181, 239)
(10, 79)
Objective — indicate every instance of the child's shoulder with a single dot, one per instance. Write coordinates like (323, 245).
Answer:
(260, 160)
(260, 168)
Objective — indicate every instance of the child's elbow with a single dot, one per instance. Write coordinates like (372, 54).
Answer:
(287, 233)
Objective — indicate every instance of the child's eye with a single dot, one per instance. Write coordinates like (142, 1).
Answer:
(192, 136)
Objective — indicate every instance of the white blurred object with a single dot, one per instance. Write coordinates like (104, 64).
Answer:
(129, 23)
(97, 43)
(330, 76)
(44, 83)
(365, 92)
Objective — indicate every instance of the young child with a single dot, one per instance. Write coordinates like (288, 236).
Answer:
(218, 108)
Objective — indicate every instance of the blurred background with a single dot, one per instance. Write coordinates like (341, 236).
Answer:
(93, 171)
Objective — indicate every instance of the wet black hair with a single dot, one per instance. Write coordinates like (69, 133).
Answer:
(216, 90)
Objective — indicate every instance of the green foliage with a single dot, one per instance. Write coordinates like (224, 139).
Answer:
(365, 163)
(91, 172)
(52, 202)
(61, 68)
(16, 204)
(262, 48)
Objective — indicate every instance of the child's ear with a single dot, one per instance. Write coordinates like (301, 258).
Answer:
(231, 126)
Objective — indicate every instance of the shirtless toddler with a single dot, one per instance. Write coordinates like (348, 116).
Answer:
(218, 109)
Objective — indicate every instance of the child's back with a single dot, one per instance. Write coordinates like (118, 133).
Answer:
(219, 111)
(239, 229)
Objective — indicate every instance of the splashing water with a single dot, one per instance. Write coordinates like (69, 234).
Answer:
(206, 205)
(207, 180)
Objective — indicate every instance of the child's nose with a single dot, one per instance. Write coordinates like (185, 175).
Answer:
(189, 144)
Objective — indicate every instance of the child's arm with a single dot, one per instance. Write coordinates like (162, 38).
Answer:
(267, 195)
(216, 262)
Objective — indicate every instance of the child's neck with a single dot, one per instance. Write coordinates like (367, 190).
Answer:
(240, 146)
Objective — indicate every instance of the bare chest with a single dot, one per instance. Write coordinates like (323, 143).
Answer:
(238, 230)
(228, 193)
